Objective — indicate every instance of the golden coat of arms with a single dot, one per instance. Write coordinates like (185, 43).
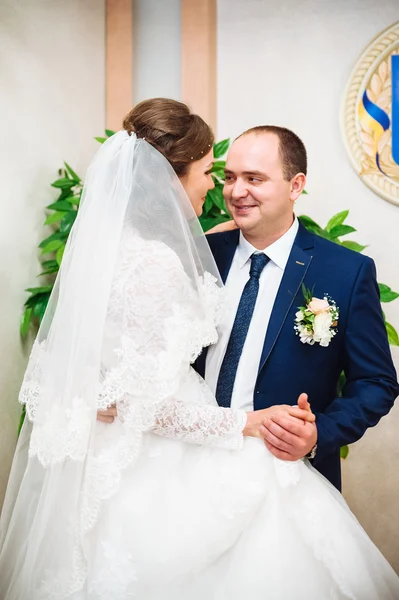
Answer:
(370, 115)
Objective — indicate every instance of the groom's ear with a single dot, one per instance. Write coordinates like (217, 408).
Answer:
(297, 186)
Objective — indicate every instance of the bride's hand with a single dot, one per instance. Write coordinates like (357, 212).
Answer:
(107, 416)
(226, 226)
(256, 418)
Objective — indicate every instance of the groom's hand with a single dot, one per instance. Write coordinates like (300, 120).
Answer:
(287, 437)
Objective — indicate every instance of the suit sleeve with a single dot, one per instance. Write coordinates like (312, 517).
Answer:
(371, 384)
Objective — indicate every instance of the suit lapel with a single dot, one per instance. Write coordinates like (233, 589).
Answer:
(294, 273)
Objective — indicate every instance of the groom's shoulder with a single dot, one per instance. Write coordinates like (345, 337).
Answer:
(218, 241)
(341, 255)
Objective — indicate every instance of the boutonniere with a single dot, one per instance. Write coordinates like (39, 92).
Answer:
(316, 322)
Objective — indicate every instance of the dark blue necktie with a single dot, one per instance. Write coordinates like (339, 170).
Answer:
(239, 332)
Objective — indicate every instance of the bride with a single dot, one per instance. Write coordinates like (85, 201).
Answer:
(177, 499)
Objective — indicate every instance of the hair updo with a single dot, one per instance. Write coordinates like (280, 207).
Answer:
(172, 129)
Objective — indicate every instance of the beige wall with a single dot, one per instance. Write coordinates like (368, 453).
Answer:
(287, 63)
(52, 104)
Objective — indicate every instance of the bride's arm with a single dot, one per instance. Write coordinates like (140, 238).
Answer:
(214, 425)
(206, 424)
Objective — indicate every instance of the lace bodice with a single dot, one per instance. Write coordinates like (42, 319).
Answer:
(154, 331)
(157, 324)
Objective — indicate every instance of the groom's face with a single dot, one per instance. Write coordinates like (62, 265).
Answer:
(255, 191)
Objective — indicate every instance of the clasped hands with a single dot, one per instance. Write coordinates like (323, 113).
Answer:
(289, 432)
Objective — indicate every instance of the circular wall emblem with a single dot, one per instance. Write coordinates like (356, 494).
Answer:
(370, 115)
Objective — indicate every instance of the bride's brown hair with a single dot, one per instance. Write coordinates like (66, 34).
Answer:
(172, 129)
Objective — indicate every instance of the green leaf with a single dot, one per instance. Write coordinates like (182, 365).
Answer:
(100, 139)
(48, 264)
(22, 419)
(321, 232)
(39, 290)
(393, 337)
(344, 451)
(25, 321)
(308, 222)
(386, 294)
(74, 200)
(57, 235)
(109, 132)
(48, 271)
(72, 173)
(219, 165)
(221, 148)
(219, 173)
(54, 218)
(305, 192)
(68, 193)
(208, 205)
(340, 230)
(61, 206)
(60, 254)
(216, 196)
(32, 301)
(52, 246)
(337, 219)
(64, 183)
(307, 294)
(67, 222)
(353, 246)
(40, 307)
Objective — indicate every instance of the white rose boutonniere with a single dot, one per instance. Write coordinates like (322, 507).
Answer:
(317, 321)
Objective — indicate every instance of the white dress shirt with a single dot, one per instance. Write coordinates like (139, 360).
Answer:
(269, 282)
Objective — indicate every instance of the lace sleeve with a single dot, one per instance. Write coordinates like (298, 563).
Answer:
(205, 425)
(163, 331)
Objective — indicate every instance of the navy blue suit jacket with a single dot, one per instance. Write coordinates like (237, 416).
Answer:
(360, 348)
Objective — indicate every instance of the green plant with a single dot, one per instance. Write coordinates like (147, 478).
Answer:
(214, 209)
(60, 219)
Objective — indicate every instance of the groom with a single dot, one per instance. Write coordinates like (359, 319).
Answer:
(259, 360)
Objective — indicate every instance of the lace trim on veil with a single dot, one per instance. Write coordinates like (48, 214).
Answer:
(141, 384)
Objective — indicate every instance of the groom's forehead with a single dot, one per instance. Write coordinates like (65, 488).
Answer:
(251, 151)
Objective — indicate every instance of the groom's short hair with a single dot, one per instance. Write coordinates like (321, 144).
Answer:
(291, 149)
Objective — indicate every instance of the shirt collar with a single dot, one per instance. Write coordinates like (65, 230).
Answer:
(278, 252)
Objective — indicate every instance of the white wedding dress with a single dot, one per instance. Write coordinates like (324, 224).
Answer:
(175, 503)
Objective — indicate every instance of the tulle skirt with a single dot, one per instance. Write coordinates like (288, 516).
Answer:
(194, 523)
(191, 522)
